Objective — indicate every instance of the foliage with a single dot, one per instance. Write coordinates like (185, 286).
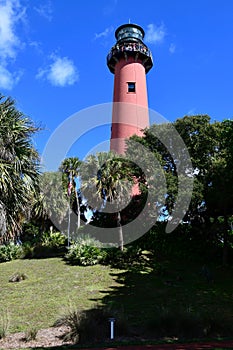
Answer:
(72, 320)
(4, 323)
(53, 239)
(10, 251)
(52, 206)
(106, 184)
(52, 244)
(44, 245)
(31, 334)
(31, 232)
(132, 255)
(210, 149)
(70, 168)
(91, 326)
(85, 251)
(19, 169)
(28, 250)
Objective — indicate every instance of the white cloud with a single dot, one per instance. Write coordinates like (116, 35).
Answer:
(61, 72)
(11, 13)
(172, 48)
(155, 34)
(105, 33)
(8, 79)
(45, 10)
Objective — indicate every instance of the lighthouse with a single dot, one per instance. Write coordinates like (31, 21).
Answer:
(129, 60)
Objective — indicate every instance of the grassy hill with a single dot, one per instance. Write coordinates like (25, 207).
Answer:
(151, 300)
(50, 289)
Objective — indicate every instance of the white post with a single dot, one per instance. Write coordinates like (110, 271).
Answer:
(111, 320)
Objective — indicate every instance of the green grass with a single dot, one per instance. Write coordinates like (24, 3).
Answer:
(179, 292)
(50, 289)
(152, 299)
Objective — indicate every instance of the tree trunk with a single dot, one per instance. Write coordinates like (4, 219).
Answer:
(120, 230)
(2, 223)
(78, 209)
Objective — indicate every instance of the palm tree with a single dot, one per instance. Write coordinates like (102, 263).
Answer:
(70, 168)
(19, 167)
(105, 183)
(51, 204)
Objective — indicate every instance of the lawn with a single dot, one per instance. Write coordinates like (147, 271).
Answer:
(174, 300)
(178, 298)
(50, 289)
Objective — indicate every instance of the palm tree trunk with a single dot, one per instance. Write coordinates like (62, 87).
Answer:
(78, 209)
(120, 230)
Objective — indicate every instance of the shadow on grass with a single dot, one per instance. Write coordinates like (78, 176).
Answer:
(159, 301)
(170, 300)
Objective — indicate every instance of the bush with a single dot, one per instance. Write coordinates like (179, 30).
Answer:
(51, 244)
(28, 250)
(131, 257)
(10, 252)
(91, 326)
(53, 239)
(31, 334)
(86, 251)
(31, 233)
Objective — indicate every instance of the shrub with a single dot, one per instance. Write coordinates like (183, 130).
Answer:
(130, 257)
(91, 326)
(51, 244)
(42, 252)
(28, 250)
(31, 233)
(10, 252)
(53, 239)
(31, 334)
(86, 251)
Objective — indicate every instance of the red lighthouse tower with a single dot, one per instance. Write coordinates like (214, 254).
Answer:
(129, 60)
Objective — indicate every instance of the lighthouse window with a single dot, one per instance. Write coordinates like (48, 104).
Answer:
(131, 87)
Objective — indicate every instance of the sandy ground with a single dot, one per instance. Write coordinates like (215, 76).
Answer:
(45, 338)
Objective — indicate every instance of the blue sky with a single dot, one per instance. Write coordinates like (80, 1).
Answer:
(53, 57)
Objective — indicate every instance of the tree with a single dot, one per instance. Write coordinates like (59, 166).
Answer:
(167, 170)
(106, 184)
(19, 168)
(51, 205)
(210, 149)
(70, 167)
(219, 194)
